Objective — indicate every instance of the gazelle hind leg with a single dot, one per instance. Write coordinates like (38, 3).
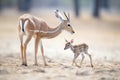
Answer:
(90, 58)
(36, 49)
(42, 50)
(25, 47)
(82, 59)
(21, 48)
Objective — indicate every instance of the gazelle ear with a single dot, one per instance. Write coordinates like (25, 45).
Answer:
(72, 41)
(59, 15)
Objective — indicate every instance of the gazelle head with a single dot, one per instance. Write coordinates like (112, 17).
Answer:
(68, 44)
(66, 22)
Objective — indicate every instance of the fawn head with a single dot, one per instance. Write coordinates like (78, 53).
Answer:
(68, 44)
(66, 22)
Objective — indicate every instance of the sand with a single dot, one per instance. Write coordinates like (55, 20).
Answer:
(103, 39)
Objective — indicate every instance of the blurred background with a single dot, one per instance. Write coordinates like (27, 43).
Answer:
(77, 6)
(96, 22)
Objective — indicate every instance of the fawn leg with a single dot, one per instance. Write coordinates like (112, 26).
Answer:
(82, 59)
(74, 59)
(90, 59)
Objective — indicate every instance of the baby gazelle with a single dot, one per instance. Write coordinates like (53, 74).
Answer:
(77, 50)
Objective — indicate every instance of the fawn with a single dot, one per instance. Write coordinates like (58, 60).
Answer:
(77, 49)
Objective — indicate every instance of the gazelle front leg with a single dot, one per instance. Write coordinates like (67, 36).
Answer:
(25, 47)
(36, 48)
(42, 50)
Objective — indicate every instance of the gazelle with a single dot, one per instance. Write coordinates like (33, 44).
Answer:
(77, 50)
(32, 26)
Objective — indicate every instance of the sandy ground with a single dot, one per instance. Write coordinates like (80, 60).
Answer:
(103, 39)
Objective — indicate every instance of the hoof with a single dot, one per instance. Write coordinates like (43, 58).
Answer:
(36, 64)
(46, 64)
(78, 66)
(24, 64)
(92, 66)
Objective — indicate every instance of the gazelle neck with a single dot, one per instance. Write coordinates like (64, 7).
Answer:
(53, 32)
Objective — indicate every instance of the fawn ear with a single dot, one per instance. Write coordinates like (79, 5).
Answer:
(72, 41)
(66, 40)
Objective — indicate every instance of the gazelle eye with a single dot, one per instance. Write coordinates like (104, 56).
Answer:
(68, 24)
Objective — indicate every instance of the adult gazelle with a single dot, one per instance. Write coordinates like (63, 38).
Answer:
(32, 26)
